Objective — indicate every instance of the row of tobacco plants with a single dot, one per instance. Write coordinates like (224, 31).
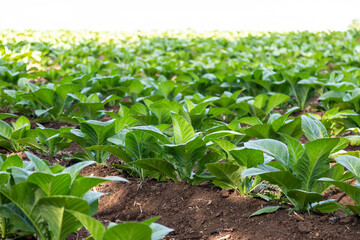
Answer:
(219, 107)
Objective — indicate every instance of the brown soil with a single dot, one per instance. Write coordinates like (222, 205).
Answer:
(207, 212)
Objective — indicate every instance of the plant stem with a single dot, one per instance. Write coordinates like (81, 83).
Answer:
(3, 230)
(3, 227)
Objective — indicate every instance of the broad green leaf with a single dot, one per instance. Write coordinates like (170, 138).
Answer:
(11, 161)
(74, 170)
(354, 209)
(83, 184)
(25, 195)
(157, 165)
(114, 150)
(228, 172)
(183, 131)
(314, 163)
(185, 156)
(313, 128)
(219, 134)
(247, 157)
(260, 131)
(159, 231)
(39, 164)
(153, 131)
(260, 101)
(96, 132)
(295, 148)
(302, 199)
(284, 179)
(268, 209)
(276, 100)
(7, 115)
(16, 217)
(210, 157)
(225, 145)
(274, 148)
(128, 231)
(5, 130)
(95, 228)
(328, 206)
(277, 123)
(54, 211)
(351, 163)
(352, 191)
(51, 184)
(250, 120)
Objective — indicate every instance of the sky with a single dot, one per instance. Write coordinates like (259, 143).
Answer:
(199, 15)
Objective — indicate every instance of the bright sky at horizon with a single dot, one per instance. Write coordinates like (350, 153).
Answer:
(200, 15)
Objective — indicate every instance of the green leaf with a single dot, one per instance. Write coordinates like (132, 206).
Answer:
(31, 142)
(16, 217)
(74, 170)
(284, 179)
(247, 157)
(220, 134)
(260, 101)
(128, 231)
(279, 122)
(268, 209)
(159, 231)
(313, 128)
(351, 163)
(207, 158)
(51, 184)
(328, 206)
(96, 132)
(354, 209)
(39, 164)
(22, 122)
(55, 211)
(274, 148)
(84, 184)
(260, 131)
(315, 161)
(24, 195)
(303, 199)
(276, 100)
(157, 165)
(7, 115)
(153, 131)
(5, 130)
(354, 140)
(225, 145)
(11, 161)
(352, 191)
(183, 131)
(114, 150)
(295, 148)
(250, 120)
(228, 172)
(185, 156)
(95, 228)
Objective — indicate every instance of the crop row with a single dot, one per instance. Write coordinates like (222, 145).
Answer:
(234, 112)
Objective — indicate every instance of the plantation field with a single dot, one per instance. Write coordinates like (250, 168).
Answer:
(223, 135)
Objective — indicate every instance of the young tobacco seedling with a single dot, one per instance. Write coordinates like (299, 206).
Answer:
(91, 137)
(42, 200)
(352, 164)
(298, 167)
(11, 136)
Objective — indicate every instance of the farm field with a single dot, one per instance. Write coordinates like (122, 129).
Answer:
(222, 135)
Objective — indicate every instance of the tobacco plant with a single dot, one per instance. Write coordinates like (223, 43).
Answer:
(297, 167)
(41, 200)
